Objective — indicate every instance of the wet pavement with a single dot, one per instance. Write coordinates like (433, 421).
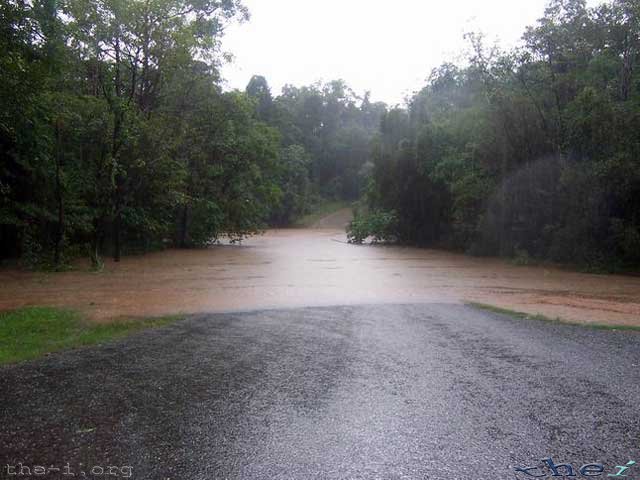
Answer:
(369, 392)
(300, 268)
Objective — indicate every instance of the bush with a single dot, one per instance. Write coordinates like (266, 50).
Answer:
(380, 226)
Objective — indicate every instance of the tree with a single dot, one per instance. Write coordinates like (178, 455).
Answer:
(530, 152)
(134, 47)
(258, 89)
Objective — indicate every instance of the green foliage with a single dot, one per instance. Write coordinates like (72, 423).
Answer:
(296, 195)
(334, 126)
(114, 132)
(379, 226)
(532, 153)
(31, 332)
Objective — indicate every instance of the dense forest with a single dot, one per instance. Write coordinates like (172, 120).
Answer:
(116, 136)
(532, 153)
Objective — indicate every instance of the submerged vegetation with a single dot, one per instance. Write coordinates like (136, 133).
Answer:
(116, 136)
(379, 226)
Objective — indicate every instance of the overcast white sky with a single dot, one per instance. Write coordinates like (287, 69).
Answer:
(387, 47)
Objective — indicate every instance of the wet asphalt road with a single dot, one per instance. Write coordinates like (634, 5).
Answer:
(371, 392)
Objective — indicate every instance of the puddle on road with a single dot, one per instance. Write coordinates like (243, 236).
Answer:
(295, 268)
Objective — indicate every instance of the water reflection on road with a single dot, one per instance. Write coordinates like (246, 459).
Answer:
(293, 268)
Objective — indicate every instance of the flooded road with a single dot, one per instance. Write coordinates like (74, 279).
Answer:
(316, 267)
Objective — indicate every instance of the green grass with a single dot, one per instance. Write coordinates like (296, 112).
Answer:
(32, 332)
(543, 318)
(322, 210)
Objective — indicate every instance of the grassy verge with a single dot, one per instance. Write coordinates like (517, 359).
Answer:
(542, 318)
(32, 332)
(322, 210)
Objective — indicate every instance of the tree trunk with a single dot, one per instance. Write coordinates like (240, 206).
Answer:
(627, 74)
(96, 245)
(59, 233)
(116, 236)
(184, 224)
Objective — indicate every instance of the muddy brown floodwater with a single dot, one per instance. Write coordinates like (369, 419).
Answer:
(316, 267)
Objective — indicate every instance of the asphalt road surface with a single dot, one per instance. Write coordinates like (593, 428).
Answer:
(380, 392)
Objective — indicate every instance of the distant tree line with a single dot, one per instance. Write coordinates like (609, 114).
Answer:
(116, 136)
(326, 132)
(533, 152)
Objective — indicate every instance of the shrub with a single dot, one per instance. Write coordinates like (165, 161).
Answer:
(380, 226)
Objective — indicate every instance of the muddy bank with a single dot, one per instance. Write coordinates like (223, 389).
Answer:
(293, 268)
